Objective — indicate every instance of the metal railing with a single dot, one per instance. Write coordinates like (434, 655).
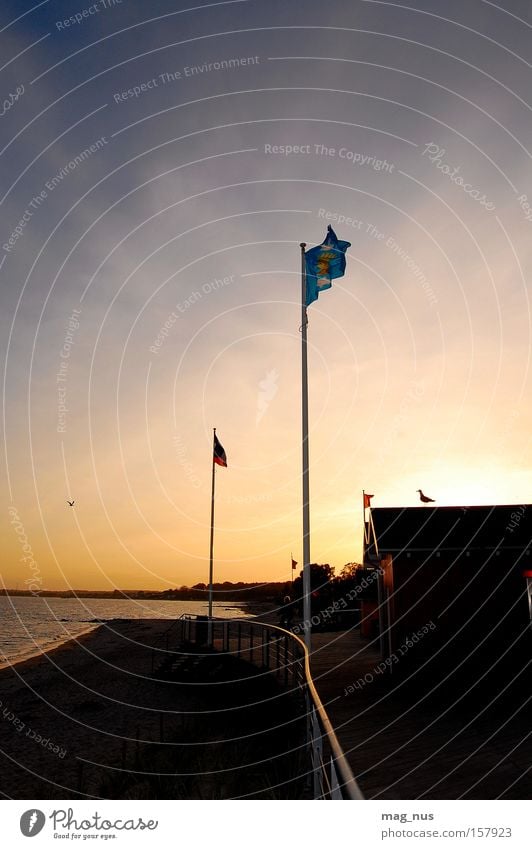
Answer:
(276, 650)
(161, 645)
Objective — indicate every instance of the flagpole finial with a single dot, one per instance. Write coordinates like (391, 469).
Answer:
(303, 245)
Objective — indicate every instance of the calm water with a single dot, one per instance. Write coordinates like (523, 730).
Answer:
(30, 625)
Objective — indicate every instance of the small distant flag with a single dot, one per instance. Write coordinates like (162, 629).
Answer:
(323, 264)
(367, 500)
(219, 453)
(294, 563)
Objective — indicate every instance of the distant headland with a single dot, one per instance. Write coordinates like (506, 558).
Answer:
(226, 591)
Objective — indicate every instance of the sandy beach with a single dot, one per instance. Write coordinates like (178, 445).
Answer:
(90, 718)
(85, 702)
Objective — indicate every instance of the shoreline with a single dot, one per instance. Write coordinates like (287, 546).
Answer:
(248, 609)
(29, 660)
(83, 708)
(19, 659)
(88, 718)
(75, 715)
(122, 713)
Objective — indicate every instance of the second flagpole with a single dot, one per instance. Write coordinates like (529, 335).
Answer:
(304, 425)
(211, 551)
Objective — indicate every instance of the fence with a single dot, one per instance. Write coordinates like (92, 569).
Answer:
(282, 653)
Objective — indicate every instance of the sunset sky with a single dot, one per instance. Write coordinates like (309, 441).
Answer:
(160, 167)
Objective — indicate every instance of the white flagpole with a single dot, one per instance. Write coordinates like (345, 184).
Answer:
(304, 423)
(364, 528)
(212, 543)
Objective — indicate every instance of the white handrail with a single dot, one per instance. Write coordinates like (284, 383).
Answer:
(341, 783)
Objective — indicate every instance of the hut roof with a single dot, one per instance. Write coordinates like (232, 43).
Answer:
(399, 529)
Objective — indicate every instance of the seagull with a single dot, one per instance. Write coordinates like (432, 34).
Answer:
(424, 498)
(70, 502)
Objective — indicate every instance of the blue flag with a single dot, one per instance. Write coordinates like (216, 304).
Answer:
(323, 263)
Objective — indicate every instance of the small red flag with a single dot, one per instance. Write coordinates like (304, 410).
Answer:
(219, 453)
(367, 500)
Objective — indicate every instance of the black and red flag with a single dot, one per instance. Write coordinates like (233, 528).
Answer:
(219, 453)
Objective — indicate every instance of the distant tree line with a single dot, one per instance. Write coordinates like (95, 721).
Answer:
(325, 588)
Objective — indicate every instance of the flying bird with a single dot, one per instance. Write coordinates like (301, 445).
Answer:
(70, 502)
(424, 498)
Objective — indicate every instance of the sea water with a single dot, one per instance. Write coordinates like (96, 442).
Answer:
(32, 624)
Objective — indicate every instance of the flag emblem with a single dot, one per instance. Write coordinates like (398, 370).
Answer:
(323, 264)
(219, 453)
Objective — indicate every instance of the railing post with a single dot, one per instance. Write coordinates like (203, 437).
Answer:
(310, 774)
(317, 751)
(265, 638)
(336, 792)
(332, 779)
